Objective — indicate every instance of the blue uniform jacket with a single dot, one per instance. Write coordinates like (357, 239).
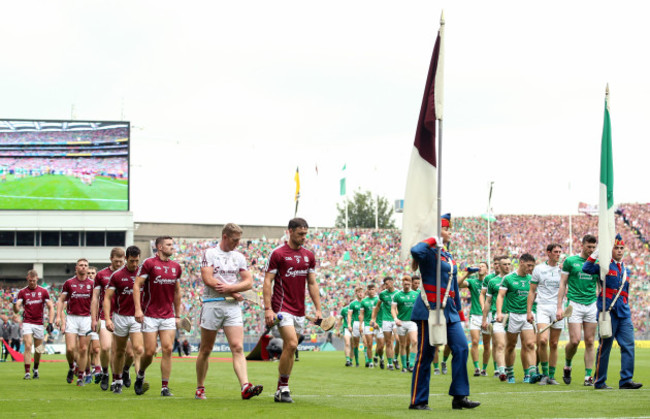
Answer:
(427, 259)
(613, 282)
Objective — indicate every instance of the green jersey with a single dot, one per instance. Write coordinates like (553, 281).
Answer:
(517, 288)
(355, 307)
(474, 284)
(386, 298)
(344, 315)
(582, 286)
(367, 305)
(493, 292)
(405, 302)
(487, 280)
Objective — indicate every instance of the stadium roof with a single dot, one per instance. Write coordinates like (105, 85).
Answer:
(43, 126)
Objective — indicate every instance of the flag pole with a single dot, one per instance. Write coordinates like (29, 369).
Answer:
(489, 214)
(439, 198)
(570, 226)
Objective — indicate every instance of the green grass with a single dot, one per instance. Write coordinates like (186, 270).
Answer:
(321, 387)
(57, 192)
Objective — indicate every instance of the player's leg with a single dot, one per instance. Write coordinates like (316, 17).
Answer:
(235, 336)
(129, 358)
(510, 355)
(590, 337)
(487, 341)
(84, 341)
(289, 345)
(403, 347)
(202, 360)
(412, 339)
(388, 342)
(37, 355)
(475, 335)
(118, 361)
(575, 334)
(150, 345)
(70, 349)
(105, 343)
(528, 339)
(166, 345)
(552, 358)
(355, 348)
(445, 356)
(499, 349)
(27, 354)
(396, 349)
(379, 352)
(367, 341)
(347, 348)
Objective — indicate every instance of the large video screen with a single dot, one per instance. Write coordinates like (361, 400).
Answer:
(64, 165)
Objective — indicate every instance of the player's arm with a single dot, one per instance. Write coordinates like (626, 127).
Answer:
(178, 307)
(94, 309)
(18, 305)
(350, 317)
(245, 284)
(50, 311)
(500, 298)
(393, 312)
(375, 311)
(269, 315)
(106, 306)
(312, 285)
(207, 275)
(564, 279)
(137, 295)
(59, 308)
(486, 310)
(529, 302)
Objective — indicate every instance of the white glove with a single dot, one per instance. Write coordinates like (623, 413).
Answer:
(594, 255)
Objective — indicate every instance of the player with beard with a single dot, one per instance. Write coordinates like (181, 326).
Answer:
(105, 336)
(122, 323)
(382, 311)
(158, 311)
(289, 269)
(401, 309)
(77, 292)
(33, 299)
(225, 273)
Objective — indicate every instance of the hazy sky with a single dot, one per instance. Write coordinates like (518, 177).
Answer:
(226, 98)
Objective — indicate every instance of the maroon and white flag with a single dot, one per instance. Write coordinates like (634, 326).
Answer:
(420, 200)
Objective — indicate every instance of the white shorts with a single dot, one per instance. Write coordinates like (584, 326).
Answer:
(346, 333)
(355, 329)
(388, 326)
(517, 323)
(497, 327)
(288, 319)
(583, 313)
(34, 329)
(125, 325)
(475, 321)
(376, 332)
(94, 336)
(217, 314)
(152, 324)
(406, 327)
(546, 315)
(78, 325)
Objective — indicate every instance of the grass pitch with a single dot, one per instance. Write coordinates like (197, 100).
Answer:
(58, 192)
(321, 387)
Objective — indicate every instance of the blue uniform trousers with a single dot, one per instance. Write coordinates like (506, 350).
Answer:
(623, 332)
(422, 370)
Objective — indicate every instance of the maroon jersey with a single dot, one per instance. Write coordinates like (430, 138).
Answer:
(159, 286)
(122, 282)
(291, 268)
(101, 282)
(78, 295)
(33, 301)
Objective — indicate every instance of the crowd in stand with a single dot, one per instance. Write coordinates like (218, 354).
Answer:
(116, 167)
(360, 256)
(63, 137)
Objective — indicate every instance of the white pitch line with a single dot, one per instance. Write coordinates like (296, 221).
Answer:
(550, 392)
(111, 182)
(63, 199)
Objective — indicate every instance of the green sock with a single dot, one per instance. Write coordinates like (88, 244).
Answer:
(531, 370)
(588, 372)
(484, 367)
(390, 361)
(445, 358)
(567, 362)
(356, 355)
(510, 371)
(365, 355)
(545, 368)
(436, 365)
(495, 366)
(347, 359)
(476, 365)
(412, 359)
(551, 372)
(403, 358)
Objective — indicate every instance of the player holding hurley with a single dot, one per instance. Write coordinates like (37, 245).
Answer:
(289, 268)
(225, 273)
(33, 299)
(77, 292)
(159, 311)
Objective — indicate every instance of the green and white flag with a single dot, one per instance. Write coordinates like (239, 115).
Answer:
(606, 223)
(343, 181)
